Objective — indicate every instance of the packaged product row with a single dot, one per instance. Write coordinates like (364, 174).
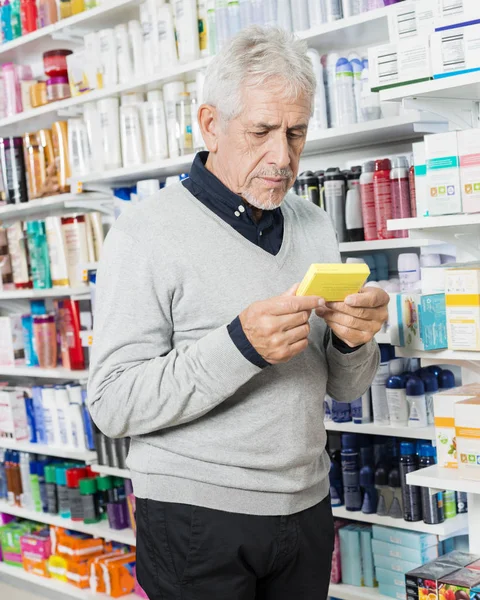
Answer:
(368, 474)
(81, 560)
(52, 334)
(431, 40)
(50, 253)
(387, 558)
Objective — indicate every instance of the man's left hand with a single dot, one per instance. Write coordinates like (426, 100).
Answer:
(356, 320)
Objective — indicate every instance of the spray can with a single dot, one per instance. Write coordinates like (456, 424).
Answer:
(401, 208)
(335, 197)
(333, 10)
(378, 390)
(346, 111)
(351, 472)
(397, 400)
(432, 504)
(357, 68)
(384, 495)
(367, 481)
(320, 175)
(367, 197)
(450, 504)
(411, 494)
(395, 486)
(417, 402)
(307, 185)
(383, 197)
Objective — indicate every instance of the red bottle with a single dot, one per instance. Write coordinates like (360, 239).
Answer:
(383, 198)
(400, 192)
(29, 15)
(413, 190)
(368, 201)
(68, 314)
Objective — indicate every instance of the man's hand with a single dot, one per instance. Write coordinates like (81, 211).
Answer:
(278, 328)
(356, 320)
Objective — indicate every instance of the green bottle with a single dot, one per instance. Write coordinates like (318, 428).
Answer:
(16, 19)
(39, 259)
(35, 485)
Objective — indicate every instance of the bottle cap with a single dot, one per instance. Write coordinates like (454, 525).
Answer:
(415, 386)
(381, 476)
(422, 372)
(356, 171)
(436, 370)
(396, 366)
(407, 448)
(400, 162)
(37, 307)
(396, 382)
(35, 228)
(104, 483)
(74, 475)
(349, 440)
(446, 380)
(50, 474)
(427, 450)
(61, 474)
(344, 66)
(383, 164)
(430, 382)
(368, 167)
(88, 486)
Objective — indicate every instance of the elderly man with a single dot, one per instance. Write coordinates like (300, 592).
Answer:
(208, 360)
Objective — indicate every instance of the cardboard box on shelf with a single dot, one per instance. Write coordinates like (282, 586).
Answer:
(455, 51)
(469, 154)
(13, 415)
(443, 174)
(407, 19)
(462, 292)
(467, 430)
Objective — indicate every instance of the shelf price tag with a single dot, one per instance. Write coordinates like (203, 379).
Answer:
(79, 187)
(84, 275)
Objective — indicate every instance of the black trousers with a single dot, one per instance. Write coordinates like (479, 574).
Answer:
(192, 553)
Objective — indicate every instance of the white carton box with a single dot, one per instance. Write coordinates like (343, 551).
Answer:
(407, 19)
(462, 292)
(444, 416)
(467, 428)
(406, 61)
(451, 12)
(420, 167)
(455, 51)
(469, 155)
(443, 174)
(13, 415)
(12, 347)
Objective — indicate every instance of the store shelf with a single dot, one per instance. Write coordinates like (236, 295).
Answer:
(437, 478)
(438, 355)
(62, 452)
(113, 471)
(367, 29)
(62, 590)
(383, 338)
(111, 13)
(55, 206)
(424, 433)
(442, 222)
(50, 293)
(447, 528)
(124, 536)
(36, 372)
(457, 87)
(395, 244)
(411, 125)
(352, 592)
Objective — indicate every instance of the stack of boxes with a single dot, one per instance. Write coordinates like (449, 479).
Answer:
(356, 555)
(395, 552)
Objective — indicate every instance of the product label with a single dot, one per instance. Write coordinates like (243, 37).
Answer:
(453, 50)
(406, 23)
(368, 211)
(383, 206)
(387, 65)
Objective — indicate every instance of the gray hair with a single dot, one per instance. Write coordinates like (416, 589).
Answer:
(254, 56)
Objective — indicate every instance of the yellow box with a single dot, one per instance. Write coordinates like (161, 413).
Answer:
(463, 308)
(334, 282)
(467, 429)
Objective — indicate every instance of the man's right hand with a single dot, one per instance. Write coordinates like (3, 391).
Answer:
(278, 328)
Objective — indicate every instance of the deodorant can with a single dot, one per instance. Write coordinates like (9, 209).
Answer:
(335, 197)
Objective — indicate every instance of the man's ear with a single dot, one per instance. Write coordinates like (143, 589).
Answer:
(209, 122)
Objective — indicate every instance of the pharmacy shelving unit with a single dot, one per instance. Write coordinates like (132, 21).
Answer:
(66, 292)
(58, 373)
(423, 433)
(113, 471)
(86, 456)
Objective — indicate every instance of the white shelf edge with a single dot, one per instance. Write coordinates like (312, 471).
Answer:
(434, 222)
(66, 590)
(438, 479)
(424, 433)
(438, 355)
(37, 372)
(124, 536)
(60, 292)
(352, 592)
(447, 528)
(113, 471)
(458, 87)
(82, 455)
(394, 244)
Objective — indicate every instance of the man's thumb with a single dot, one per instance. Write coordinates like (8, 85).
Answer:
(292, 291)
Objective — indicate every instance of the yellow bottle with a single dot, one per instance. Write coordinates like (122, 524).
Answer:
(65, 9)
(60, 148)
(35, 165)
(78, 6)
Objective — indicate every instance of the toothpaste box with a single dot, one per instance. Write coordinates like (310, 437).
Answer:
(401, 537)
(469, 155)
(351, 555)
(443, 174)
(392, 591)
(403, 553)
(394, 564)
(455, 51)
(467, 429)
(13, 415)
(368, 569)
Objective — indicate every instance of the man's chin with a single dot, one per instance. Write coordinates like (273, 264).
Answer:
(265, 200)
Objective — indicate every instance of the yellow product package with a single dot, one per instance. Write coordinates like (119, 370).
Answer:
(334, 282)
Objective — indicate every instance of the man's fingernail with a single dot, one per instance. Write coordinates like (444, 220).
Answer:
(349, 300)
(321, 302)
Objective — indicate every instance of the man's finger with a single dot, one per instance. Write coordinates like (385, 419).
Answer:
(369, 314)
(290, 305)
(351, 322)
(368, 297)
(292, 291)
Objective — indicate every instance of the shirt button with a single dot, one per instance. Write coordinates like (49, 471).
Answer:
(241, 208)
(236, 213)
(260, 234)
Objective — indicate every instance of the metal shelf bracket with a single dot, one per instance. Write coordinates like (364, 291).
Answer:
(461, 114)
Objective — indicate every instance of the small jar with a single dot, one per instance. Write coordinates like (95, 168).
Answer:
(45, 334)
(55, 62)
(57, 89)
(38, 94)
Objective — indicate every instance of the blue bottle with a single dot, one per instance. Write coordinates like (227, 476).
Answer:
(432, 504)
(32, 430)
(351, 472)
(446, 381)
(411, 494)
(336, 483)
(436, 370)
(7, 29)
(3, 475)
(367, 481)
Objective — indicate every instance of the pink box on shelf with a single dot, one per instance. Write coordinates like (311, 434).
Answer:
(36, 546)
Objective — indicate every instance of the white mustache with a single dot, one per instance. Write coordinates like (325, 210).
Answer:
(285, 173)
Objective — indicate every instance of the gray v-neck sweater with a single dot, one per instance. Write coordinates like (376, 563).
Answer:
(208, 427)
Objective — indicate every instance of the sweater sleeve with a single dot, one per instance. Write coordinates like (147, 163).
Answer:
(138, 382)
(350, 375)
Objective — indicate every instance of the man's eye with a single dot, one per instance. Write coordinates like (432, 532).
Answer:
(260, 134)
(296, 136)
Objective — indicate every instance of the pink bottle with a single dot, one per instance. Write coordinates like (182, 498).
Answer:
(401, 207)
(45, 335)
(368, 201)
(383, 198)
(13, 94)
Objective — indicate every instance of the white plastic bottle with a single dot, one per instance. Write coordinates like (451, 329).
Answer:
(258, 16)
(345, 111)
(379, 393)
(350, 8)
(78, 147)
(167, 46)
(147, 188)
(26, 498)
(316, 13)
(319, 120)
(150, 36)
(370, 103)
(300, 18)
(234, 23)
(397, 401)
(186, 26)
(417, 403)
(270, 13)
(136, 43)
(212, 27)
(171, 91)
(284, 15)
(357, 69)
(52, 426)
(409, 272)
(133, 152)
(124, 58)
(154, 127)
(331, 68)
(333, 10)
(108, 110)
(91, 117)
(63, 412)
(108, 57)
(222, 23)
(76, 417)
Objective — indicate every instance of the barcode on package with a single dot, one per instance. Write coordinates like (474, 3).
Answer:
(387, 66)
(453, 51)
(406, 23)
